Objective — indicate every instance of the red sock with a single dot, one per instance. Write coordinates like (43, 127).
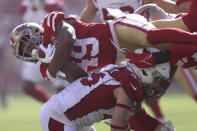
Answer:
(38, 93)
(172, 35)
(154, 105)
(157, 111)
(190, 18)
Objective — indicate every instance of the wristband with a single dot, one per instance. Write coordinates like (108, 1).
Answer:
(119, 127)
(123, 106)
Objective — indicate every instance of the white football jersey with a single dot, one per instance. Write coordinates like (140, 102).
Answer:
(75, 95)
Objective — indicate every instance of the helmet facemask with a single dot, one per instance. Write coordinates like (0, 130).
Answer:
(26, 35)
(155, 80)
(157, 87)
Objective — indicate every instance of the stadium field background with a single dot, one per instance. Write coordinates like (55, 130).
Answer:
(23, 114)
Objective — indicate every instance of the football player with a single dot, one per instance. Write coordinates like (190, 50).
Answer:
(88, 56)
(112, 9)
(103, 8)
(153, 12)
(82, 44)
(183, 56)
(113, 93)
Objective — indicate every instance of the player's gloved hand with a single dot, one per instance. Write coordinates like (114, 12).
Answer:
(142, 60)
(49, 53)
(47, 76)
(168, 126)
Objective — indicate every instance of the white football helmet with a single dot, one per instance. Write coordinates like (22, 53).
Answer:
(155, 80)
(26, 34)
(152, 12)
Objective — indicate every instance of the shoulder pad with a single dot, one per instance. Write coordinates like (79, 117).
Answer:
(129, 82)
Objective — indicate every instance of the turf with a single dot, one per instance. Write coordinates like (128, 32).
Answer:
(23, 114)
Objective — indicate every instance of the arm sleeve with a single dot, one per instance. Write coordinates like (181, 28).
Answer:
(174, 54)
(178, 52)
(142, 121)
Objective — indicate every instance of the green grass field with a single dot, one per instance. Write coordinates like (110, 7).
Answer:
(23, 114)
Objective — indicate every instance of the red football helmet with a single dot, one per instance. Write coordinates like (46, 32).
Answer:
(22, 37)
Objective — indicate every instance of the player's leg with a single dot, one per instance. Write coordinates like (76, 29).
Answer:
(188, 80)
(51, 121)
(3, 82)
(133, 33)
(155, 107)
(3, 98)
(31, 76)
(187, 22)
(35, 91)
(171, 23)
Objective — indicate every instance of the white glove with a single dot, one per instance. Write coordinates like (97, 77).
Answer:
(168, 126)
(49, 53)
(59, 75)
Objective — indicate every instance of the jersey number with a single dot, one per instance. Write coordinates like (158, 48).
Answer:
(85, 53)
(92, 79)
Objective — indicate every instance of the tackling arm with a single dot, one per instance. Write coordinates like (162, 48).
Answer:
(66, 39)
(181, 55)
(121, 111)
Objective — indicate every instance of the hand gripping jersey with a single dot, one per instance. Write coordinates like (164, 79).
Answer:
(126, 6)
(94, 46)
(91, 99)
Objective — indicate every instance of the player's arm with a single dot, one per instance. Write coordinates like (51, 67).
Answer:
(168, 5)
(141, 121)
(121, 111)
(174, 55)
(183, 5)
(89, 12)
(66, 39)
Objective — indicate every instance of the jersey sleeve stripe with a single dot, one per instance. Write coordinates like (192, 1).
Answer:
(48, 20)
(53, 22)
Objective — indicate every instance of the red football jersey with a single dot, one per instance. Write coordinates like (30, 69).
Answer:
(94, 46)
